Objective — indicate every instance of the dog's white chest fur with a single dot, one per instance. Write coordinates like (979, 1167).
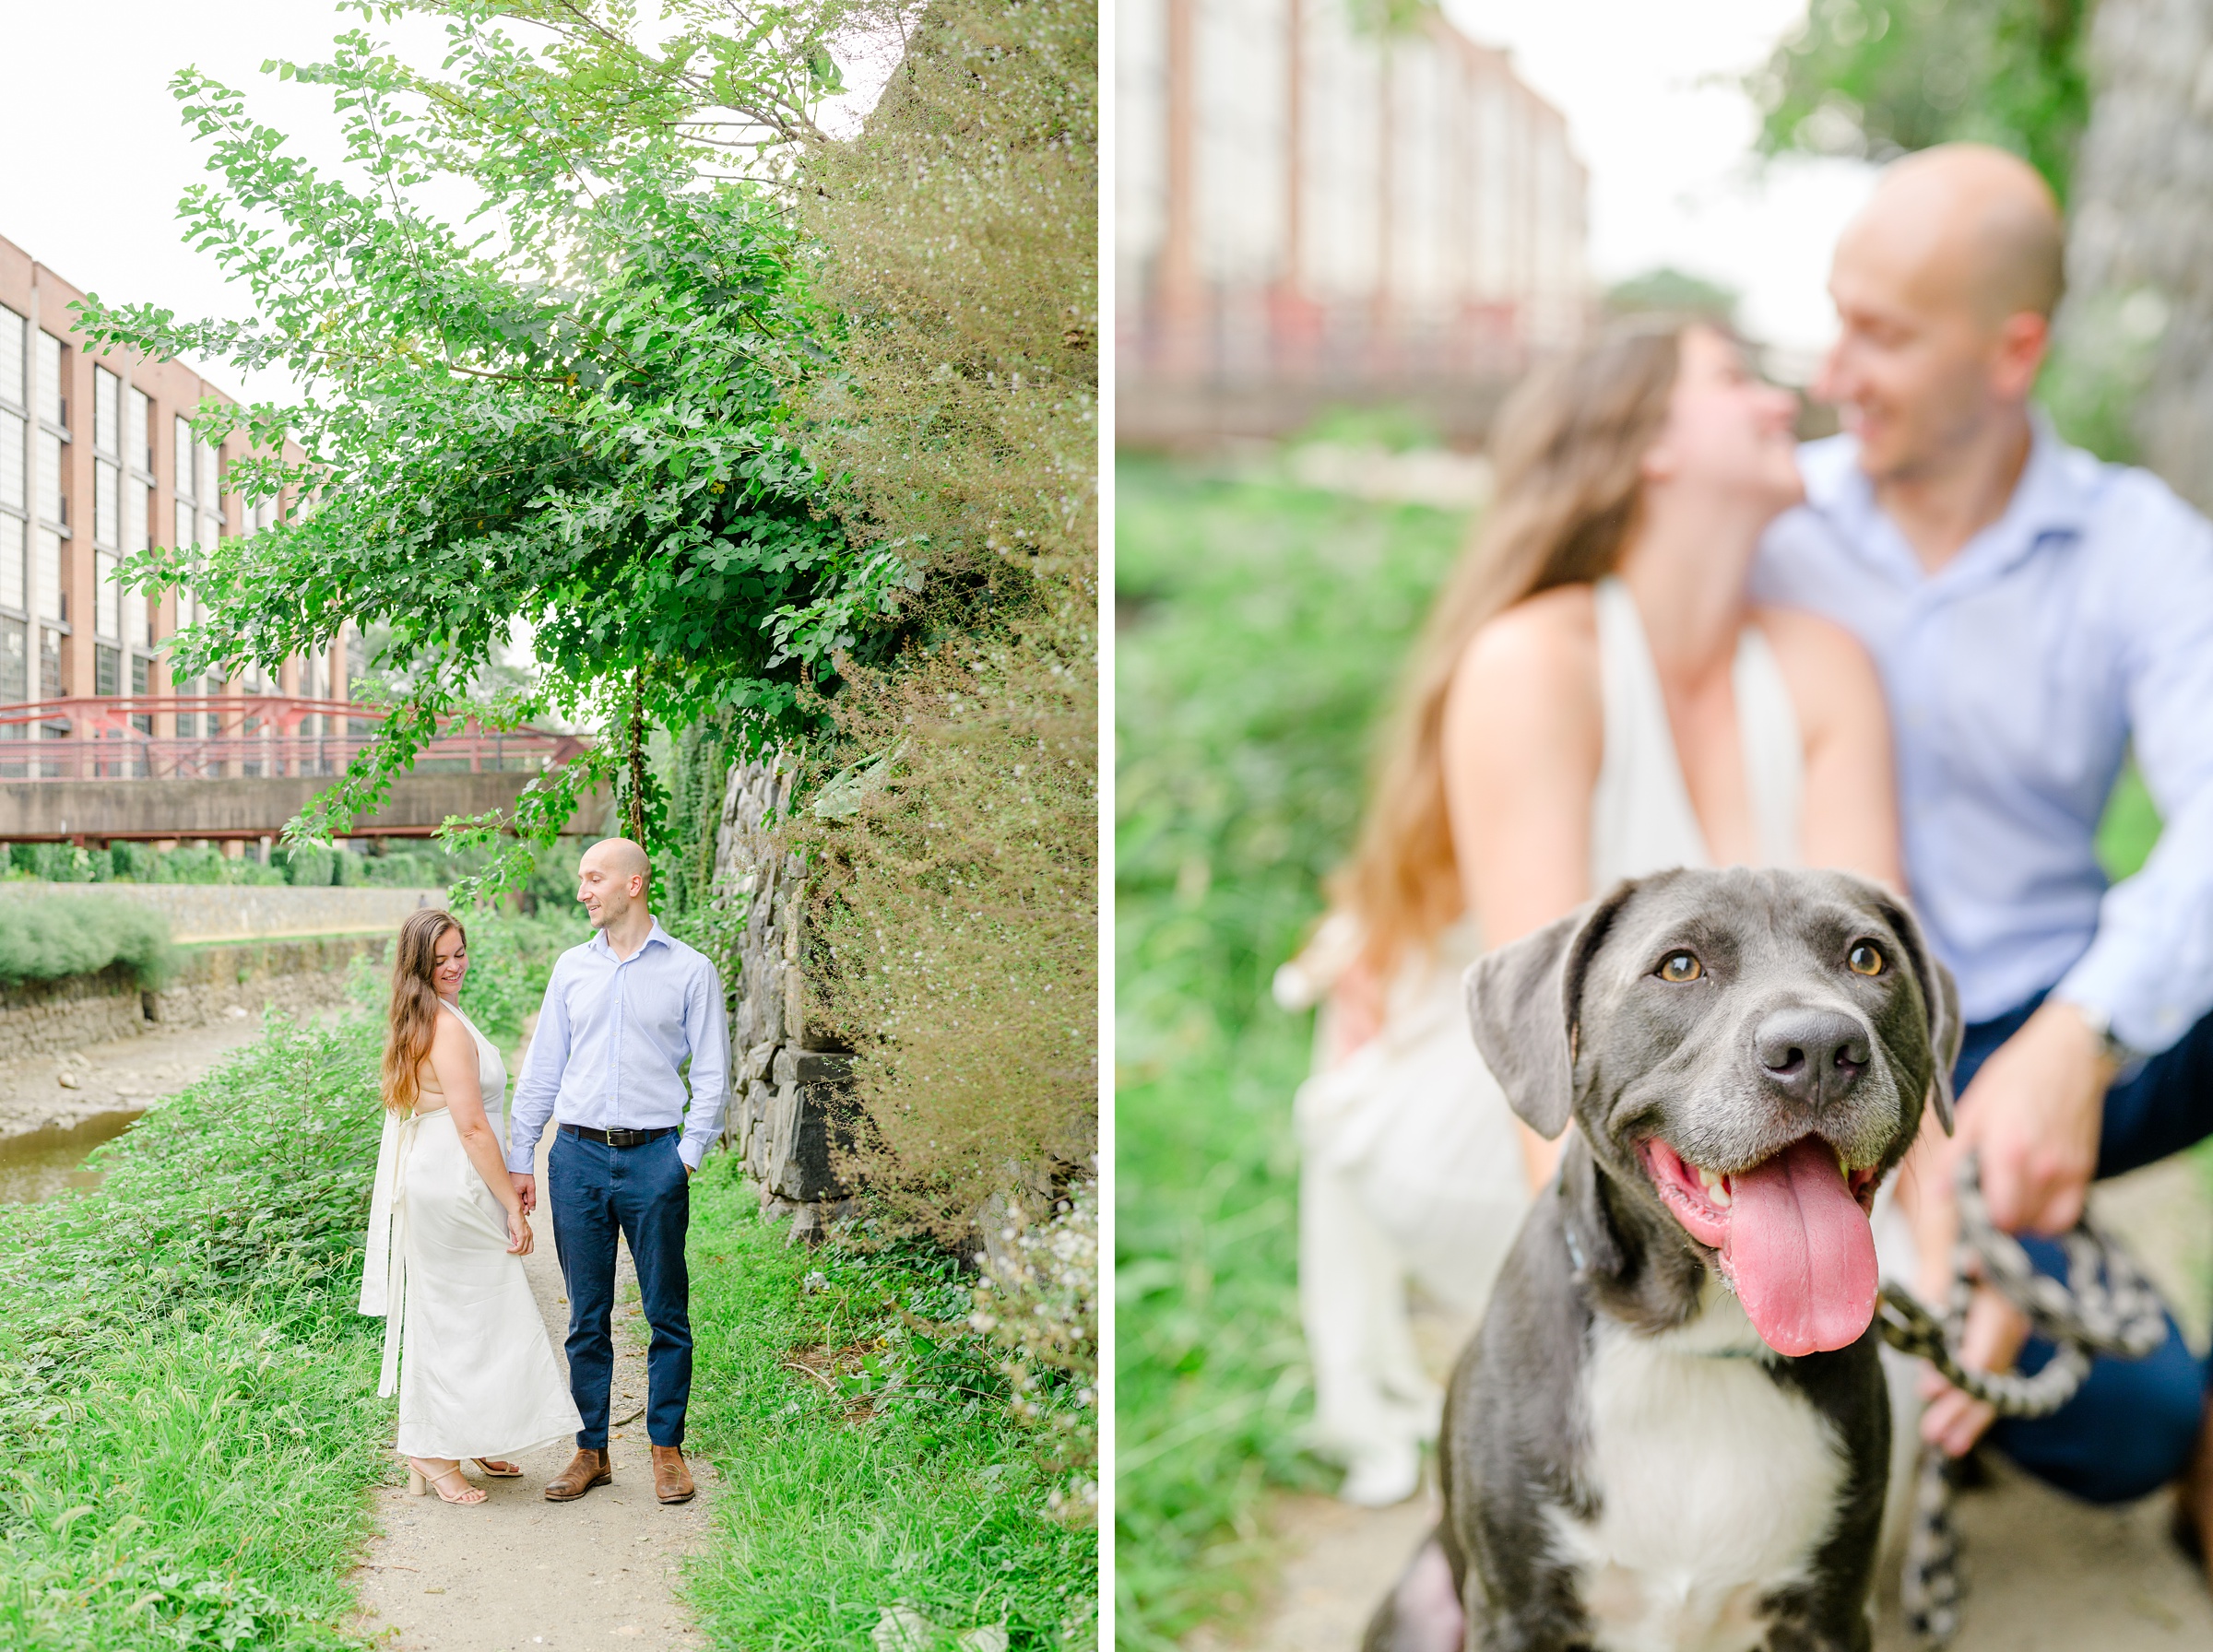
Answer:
(1716, 1484)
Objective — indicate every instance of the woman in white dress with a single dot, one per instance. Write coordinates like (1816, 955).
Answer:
(465, 1346)
(1595, 698)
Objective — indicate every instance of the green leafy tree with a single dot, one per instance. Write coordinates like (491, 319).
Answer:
(568, 418)
(1875, 77)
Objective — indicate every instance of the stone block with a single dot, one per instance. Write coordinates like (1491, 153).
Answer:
(803, 1134)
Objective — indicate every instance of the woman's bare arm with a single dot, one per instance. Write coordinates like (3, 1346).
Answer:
(1524, 732)
(1849, 809)
(454, 1059)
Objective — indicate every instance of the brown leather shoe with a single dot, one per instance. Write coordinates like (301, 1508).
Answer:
(2194, 1502)
(672, 1479)
(585, 1469)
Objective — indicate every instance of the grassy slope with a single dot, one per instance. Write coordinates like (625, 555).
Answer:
(868, 1458)
(188, 1398)
(1260, 628)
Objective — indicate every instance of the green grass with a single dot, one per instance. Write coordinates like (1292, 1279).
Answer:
(1261, 630)
(1261, 627)
(866, 1455)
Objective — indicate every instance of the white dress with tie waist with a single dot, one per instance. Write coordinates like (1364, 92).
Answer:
(1412, 1168)
(465, 1346)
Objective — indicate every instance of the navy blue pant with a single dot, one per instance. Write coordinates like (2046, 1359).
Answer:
(2129, 1429)
(642, 1191)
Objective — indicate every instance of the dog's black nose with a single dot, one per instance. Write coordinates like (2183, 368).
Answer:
(1812, 1056)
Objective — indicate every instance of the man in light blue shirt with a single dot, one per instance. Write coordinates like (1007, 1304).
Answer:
(2035, 615)
(622, 1014)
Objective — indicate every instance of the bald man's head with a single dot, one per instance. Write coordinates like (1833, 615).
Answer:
(1945, 286)
(612, 880)
(1975, 223)
(620, 857)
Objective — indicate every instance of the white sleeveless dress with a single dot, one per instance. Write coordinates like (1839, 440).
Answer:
(465, 1346)
(1412, 1167)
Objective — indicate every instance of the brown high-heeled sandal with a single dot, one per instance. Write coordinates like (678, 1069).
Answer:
(498, 1467)
(420, 1482)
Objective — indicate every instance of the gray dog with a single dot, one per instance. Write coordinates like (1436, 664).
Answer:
(1670, 1431)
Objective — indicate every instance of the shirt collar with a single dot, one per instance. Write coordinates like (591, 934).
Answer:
(2051, 501)
(657, 933)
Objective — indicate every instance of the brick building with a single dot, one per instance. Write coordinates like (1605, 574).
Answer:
(97, 463)
(1332, 198)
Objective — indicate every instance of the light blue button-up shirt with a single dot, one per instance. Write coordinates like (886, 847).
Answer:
(2017, 676)
(612, 1036)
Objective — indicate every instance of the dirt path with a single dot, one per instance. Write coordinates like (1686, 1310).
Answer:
(2046, 1574)
(517, 1572)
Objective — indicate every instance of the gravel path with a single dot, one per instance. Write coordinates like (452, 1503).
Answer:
(517, 1572)
(2046, 1574)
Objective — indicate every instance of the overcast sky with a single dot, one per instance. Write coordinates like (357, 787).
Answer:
(99, 205)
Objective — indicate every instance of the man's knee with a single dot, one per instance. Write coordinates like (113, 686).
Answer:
(2128, 1431)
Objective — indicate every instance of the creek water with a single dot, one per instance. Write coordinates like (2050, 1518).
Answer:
(45, 1163)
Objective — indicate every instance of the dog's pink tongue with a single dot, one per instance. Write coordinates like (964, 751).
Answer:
(1799, 1251)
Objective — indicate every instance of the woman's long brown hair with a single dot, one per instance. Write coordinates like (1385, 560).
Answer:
(1568, 461)
(414, 1018)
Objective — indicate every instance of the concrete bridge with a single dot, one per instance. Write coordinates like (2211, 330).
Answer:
(97, 770)
(92, 813)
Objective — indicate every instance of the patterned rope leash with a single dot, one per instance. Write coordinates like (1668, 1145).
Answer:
(2104, 1305)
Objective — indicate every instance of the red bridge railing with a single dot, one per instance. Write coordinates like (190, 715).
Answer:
(245, 736)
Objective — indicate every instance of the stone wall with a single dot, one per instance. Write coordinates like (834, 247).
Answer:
(785, 1084)
(210, 982)
(205, 912)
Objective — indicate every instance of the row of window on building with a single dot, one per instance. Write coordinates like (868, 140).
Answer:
(35, 427)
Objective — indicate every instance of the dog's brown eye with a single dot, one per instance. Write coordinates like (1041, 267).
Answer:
(1680, 966)
(1864, 960)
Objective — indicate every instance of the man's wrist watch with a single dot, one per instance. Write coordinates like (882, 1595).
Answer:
(2100, 1023)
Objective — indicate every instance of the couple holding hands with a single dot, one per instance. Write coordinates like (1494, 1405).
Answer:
(1919, 651)
(465, 1347)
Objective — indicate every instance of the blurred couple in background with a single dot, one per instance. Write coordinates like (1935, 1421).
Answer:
(1920, 650)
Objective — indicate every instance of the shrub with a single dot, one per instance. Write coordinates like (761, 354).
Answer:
(307, 868)
(205, 863)
(954, 913)
(954, 895)
(44, 938)
(1039, 1301)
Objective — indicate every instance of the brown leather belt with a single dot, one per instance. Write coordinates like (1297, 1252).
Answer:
(620, 1137)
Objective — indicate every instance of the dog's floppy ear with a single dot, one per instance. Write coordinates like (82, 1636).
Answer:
(1523, 1000)
(1940, 996)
